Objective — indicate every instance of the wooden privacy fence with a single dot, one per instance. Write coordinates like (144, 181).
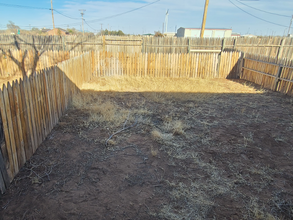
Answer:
(195, 65)
(279, 47)
(32, 106)
(49, 58)
(269, 72)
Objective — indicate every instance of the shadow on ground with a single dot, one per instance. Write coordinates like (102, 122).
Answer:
(174, 156)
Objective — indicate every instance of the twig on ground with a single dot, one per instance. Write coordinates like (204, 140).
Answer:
(24, 214)
(123, 129)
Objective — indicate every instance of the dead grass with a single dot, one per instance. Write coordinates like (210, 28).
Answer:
(167, 85)
(185, 124)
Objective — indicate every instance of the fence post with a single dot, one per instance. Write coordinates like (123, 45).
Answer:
(235, 42)
(241, 65)
(280, 51)
(188, 49)
(219, 57)
(63, 43)
(278, 77)
(142, 45)
(104, 43)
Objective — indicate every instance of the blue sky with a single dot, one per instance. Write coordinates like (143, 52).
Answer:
(182, 13)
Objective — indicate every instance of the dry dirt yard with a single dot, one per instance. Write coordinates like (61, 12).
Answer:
(203, 149)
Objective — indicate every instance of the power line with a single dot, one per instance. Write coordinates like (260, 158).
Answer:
(66, 15)
(89, 25)
(36, 8)
(78, 23)
(113, 16)
(256, 16)
(123, 13)
(263, 10)
(23, 6)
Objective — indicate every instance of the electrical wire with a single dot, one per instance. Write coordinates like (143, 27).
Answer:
(23, 6)
(123, 13)
(287, 16)
(78, 23)
(89, 25)
(30, 7)
(256, 16)
(65, 15)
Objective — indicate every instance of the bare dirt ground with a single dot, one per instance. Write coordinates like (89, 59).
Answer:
(185, 155)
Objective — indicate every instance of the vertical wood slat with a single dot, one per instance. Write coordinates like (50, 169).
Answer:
(20, 122)
(35, 107)
(15, 123)
(277, 68)
(8, 143)
(167, 65)
(26, 121)
(4, 178)
(12, 149)
(40, 106)
(30, 103)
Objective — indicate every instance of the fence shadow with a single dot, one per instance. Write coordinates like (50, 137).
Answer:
(30, 108)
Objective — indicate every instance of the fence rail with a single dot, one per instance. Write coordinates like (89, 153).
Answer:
(278, 47)
(270, 73)
(32, 106)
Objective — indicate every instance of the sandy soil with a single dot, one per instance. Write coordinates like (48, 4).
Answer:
(181, 156)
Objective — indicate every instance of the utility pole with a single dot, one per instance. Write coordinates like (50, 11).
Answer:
(81, 12)
(290, 25)
(52, 14)
(101, 29)
(166, 21)
(204, 18)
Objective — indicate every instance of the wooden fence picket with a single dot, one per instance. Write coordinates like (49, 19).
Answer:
(26, 121)
(8, 142)
(11, 130)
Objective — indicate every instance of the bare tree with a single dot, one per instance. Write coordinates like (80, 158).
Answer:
(12, 27)
(38, 51)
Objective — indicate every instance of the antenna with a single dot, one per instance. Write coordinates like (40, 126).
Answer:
(81, 12)
(166, 21)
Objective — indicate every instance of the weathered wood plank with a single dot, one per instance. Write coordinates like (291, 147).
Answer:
(7, 148)
(11, 131)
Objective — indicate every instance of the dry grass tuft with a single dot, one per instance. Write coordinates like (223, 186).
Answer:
(178, 128)
(157, 135)
(174, 127)
(104, 112)
(111, 142)
(154, 151)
